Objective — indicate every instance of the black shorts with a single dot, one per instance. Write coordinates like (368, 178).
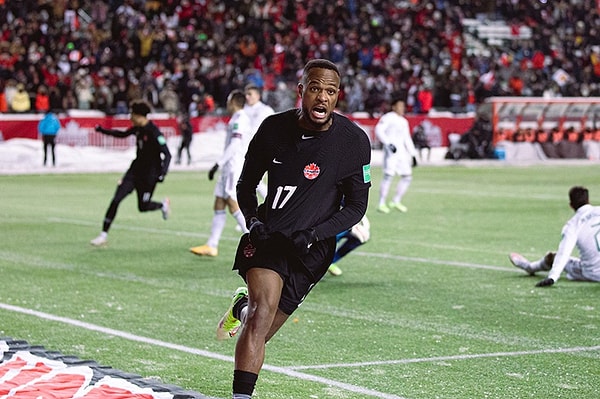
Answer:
(299, 274)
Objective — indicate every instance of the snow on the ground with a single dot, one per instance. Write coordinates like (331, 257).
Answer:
(26, 156)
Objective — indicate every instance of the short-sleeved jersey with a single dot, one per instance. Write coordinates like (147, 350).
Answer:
(258, 113)
(583, 231)
(152, 154)
(237, 136)
(308, 174)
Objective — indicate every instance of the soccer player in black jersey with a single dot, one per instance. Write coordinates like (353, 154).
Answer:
(313, 157)
(148, 168)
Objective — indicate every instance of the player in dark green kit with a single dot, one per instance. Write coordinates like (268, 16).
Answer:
(148, 168)
(313, 158)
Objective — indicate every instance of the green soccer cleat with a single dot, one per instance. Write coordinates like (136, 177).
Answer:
(229, 325)
(399, 207)
(383, 208)
(334, 270)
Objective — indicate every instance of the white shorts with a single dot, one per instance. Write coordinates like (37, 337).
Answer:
(226, 183)
(394, 164)
(575, 271)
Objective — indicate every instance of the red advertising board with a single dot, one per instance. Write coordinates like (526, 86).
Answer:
(79, 130)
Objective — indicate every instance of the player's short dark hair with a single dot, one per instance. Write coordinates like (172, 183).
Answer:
(396, 97)
(578, 196)
(237, 97)
(140, 107)
(320, 63)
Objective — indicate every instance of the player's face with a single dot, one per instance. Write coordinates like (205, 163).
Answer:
(137, 120)
(252, 96)
(398, 107)
(319, 92)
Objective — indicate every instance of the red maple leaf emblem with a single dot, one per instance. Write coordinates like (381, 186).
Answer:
(311, 171)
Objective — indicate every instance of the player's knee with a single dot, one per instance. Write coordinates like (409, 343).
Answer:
(259, 317)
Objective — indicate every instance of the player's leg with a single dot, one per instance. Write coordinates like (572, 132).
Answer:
(575, 271)
(263, 319)
(216, 230)
(348, 246)
(145, 189)
(218, 222)
(541, 264)
(384, 189)
(401, 189)
(124, 188)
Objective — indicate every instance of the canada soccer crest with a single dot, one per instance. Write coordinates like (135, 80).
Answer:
(311, 171)
(249, 250)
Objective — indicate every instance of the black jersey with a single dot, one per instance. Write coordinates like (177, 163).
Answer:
(308, 174)
(152, 154)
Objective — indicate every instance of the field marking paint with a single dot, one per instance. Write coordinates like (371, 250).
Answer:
(436, 261)
(290, 372)
(489, 194)
(390, 318)
(236, 238)
(446, 358)
(36, 261)
(161, 231)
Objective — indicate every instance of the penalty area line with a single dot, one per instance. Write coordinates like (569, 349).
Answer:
(211, 355)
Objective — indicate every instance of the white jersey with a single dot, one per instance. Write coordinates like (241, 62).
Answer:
(393, 128)
(583, 231)
(232, 161)
(257, 113)
(238, 135)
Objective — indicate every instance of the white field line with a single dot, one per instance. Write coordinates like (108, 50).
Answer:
(389, 318)
(434, 261)
(137, 338)
(161, 231)
(236, 238)
(447, 358)
(292, 371)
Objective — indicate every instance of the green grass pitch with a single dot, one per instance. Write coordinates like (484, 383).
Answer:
(429, 308)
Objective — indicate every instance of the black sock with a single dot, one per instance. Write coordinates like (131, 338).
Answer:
(237, 308)
(244, 382)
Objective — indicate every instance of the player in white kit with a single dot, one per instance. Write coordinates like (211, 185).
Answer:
(399, 157)
(257, 111)
(231, 164)
(581, 231)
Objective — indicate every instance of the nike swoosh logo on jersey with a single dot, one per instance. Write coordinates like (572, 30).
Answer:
(307, 137)
(276, 162)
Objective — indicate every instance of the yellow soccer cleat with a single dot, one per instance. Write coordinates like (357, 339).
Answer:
(204, 250)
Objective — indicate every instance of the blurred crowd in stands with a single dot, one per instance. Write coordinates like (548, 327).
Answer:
(185, 56)
(557, 143)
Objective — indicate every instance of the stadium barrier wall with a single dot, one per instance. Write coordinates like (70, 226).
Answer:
(78, 127)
